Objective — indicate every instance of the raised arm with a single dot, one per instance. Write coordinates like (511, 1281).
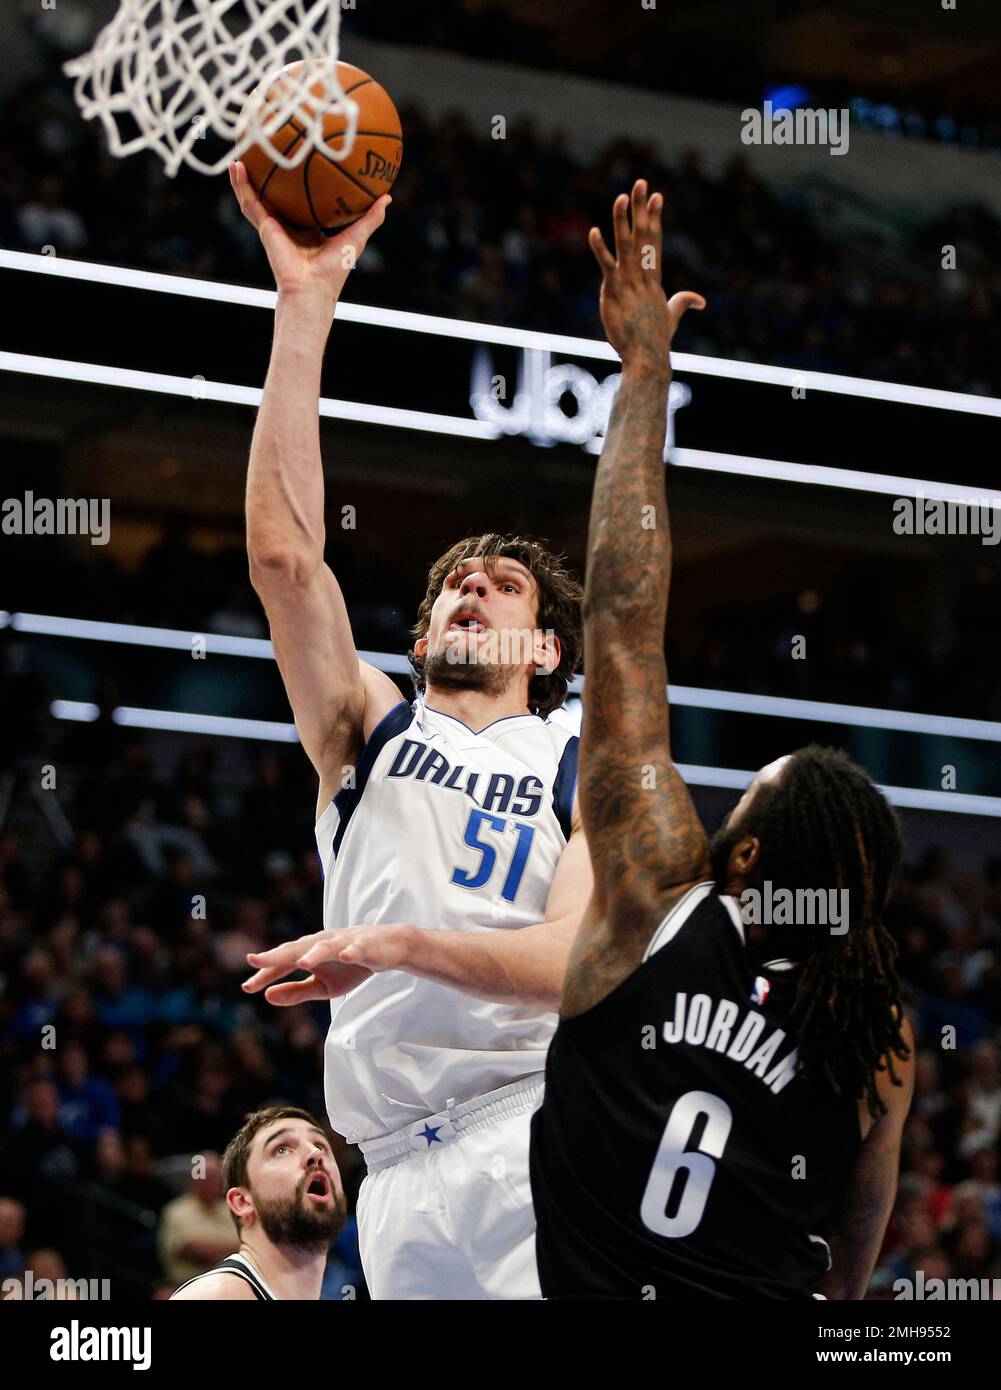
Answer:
(336, 701)
(647, 844)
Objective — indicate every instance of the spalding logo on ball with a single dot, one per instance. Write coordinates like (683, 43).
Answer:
(322, 193)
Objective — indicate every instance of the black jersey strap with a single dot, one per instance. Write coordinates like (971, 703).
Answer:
(234, 1265)
(679, 914)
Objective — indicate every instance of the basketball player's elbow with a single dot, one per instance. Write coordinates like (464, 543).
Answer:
(276, 564)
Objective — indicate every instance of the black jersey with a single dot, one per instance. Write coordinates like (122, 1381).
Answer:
(241, 1266)
(677, 1152)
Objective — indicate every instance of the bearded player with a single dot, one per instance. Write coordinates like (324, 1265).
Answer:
(284, 1192)
(448, 827)
(724, 1099)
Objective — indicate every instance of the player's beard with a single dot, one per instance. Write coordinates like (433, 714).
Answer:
(491, 678)
(291, 1221)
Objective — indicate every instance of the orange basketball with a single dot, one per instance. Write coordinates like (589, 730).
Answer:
(324, 193)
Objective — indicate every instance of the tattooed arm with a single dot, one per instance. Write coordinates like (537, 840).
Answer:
(647, 844)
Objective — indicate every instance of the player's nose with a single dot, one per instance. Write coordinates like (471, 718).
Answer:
(476, 583)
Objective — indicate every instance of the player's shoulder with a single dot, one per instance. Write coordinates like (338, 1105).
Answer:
(691, 909)
(218, 1284)
(561, 730)
(553, 738)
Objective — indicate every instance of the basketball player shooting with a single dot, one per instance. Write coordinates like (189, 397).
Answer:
(719, 1095)
(284, 1192)
(441, 827)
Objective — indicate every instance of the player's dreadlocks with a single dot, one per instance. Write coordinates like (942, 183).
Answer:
(823, 824)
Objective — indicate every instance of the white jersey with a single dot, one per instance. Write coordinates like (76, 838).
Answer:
(454, 831)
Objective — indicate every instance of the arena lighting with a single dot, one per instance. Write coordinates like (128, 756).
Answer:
(90, 630)
(224, 726)
(910, 798)
(131, 635)
(827, 712)
(511, 337)
(173, 721)
(819, 475)
(196, 388)
(691, 696)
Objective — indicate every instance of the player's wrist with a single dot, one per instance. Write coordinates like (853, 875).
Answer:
(410, 943)
(305, 315)
(643, 365)
(308, 297)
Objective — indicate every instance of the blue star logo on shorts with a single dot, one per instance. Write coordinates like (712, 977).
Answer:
(431, 1135)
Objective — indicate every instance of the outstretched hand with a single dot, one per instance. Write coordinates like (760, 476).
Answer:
(306, 259)
(337, 961)
(639, 320)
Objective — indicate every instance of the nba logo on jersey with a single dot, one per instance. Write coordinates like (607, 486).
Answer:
(760, 991)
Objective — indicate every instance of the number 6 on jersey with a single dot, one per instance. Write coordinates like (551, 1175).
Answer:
(674, 1158)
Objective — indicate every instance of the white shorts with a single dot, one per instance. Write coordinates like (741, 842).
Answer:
(445, 1210)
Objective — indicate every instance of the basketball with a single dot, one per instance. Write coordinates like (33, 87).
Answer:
(323, 193)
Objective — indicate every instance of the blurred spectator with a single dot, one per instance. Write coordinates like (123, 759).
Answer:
(87, 1104)
(45, 221)
(196, 1230)
(119, 1005)
(40, 997)
(985, 1094)
(51, 1266)
(12, 1224)
(39, 1165)
(119, 1212)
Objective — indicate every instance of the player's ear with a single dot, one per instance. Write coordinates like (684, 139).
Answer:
(546, 652)
(240, 1203)
(421, 648)
(745, 858)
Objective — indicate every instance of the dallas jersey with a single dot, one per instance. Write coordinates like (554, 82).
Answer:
(454, 831)
(678, 1153)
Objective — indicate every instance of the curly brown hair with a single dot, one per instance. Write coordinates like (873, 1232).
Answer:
(559, 607)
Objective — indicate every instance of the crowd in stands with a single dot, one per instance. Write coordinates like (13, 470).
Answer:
(720, 63)
(126, 1045)
(495, 229)
(947, 1217)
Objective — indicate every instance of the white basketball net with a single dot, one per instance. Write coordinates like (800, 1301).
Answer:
(177, 70)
